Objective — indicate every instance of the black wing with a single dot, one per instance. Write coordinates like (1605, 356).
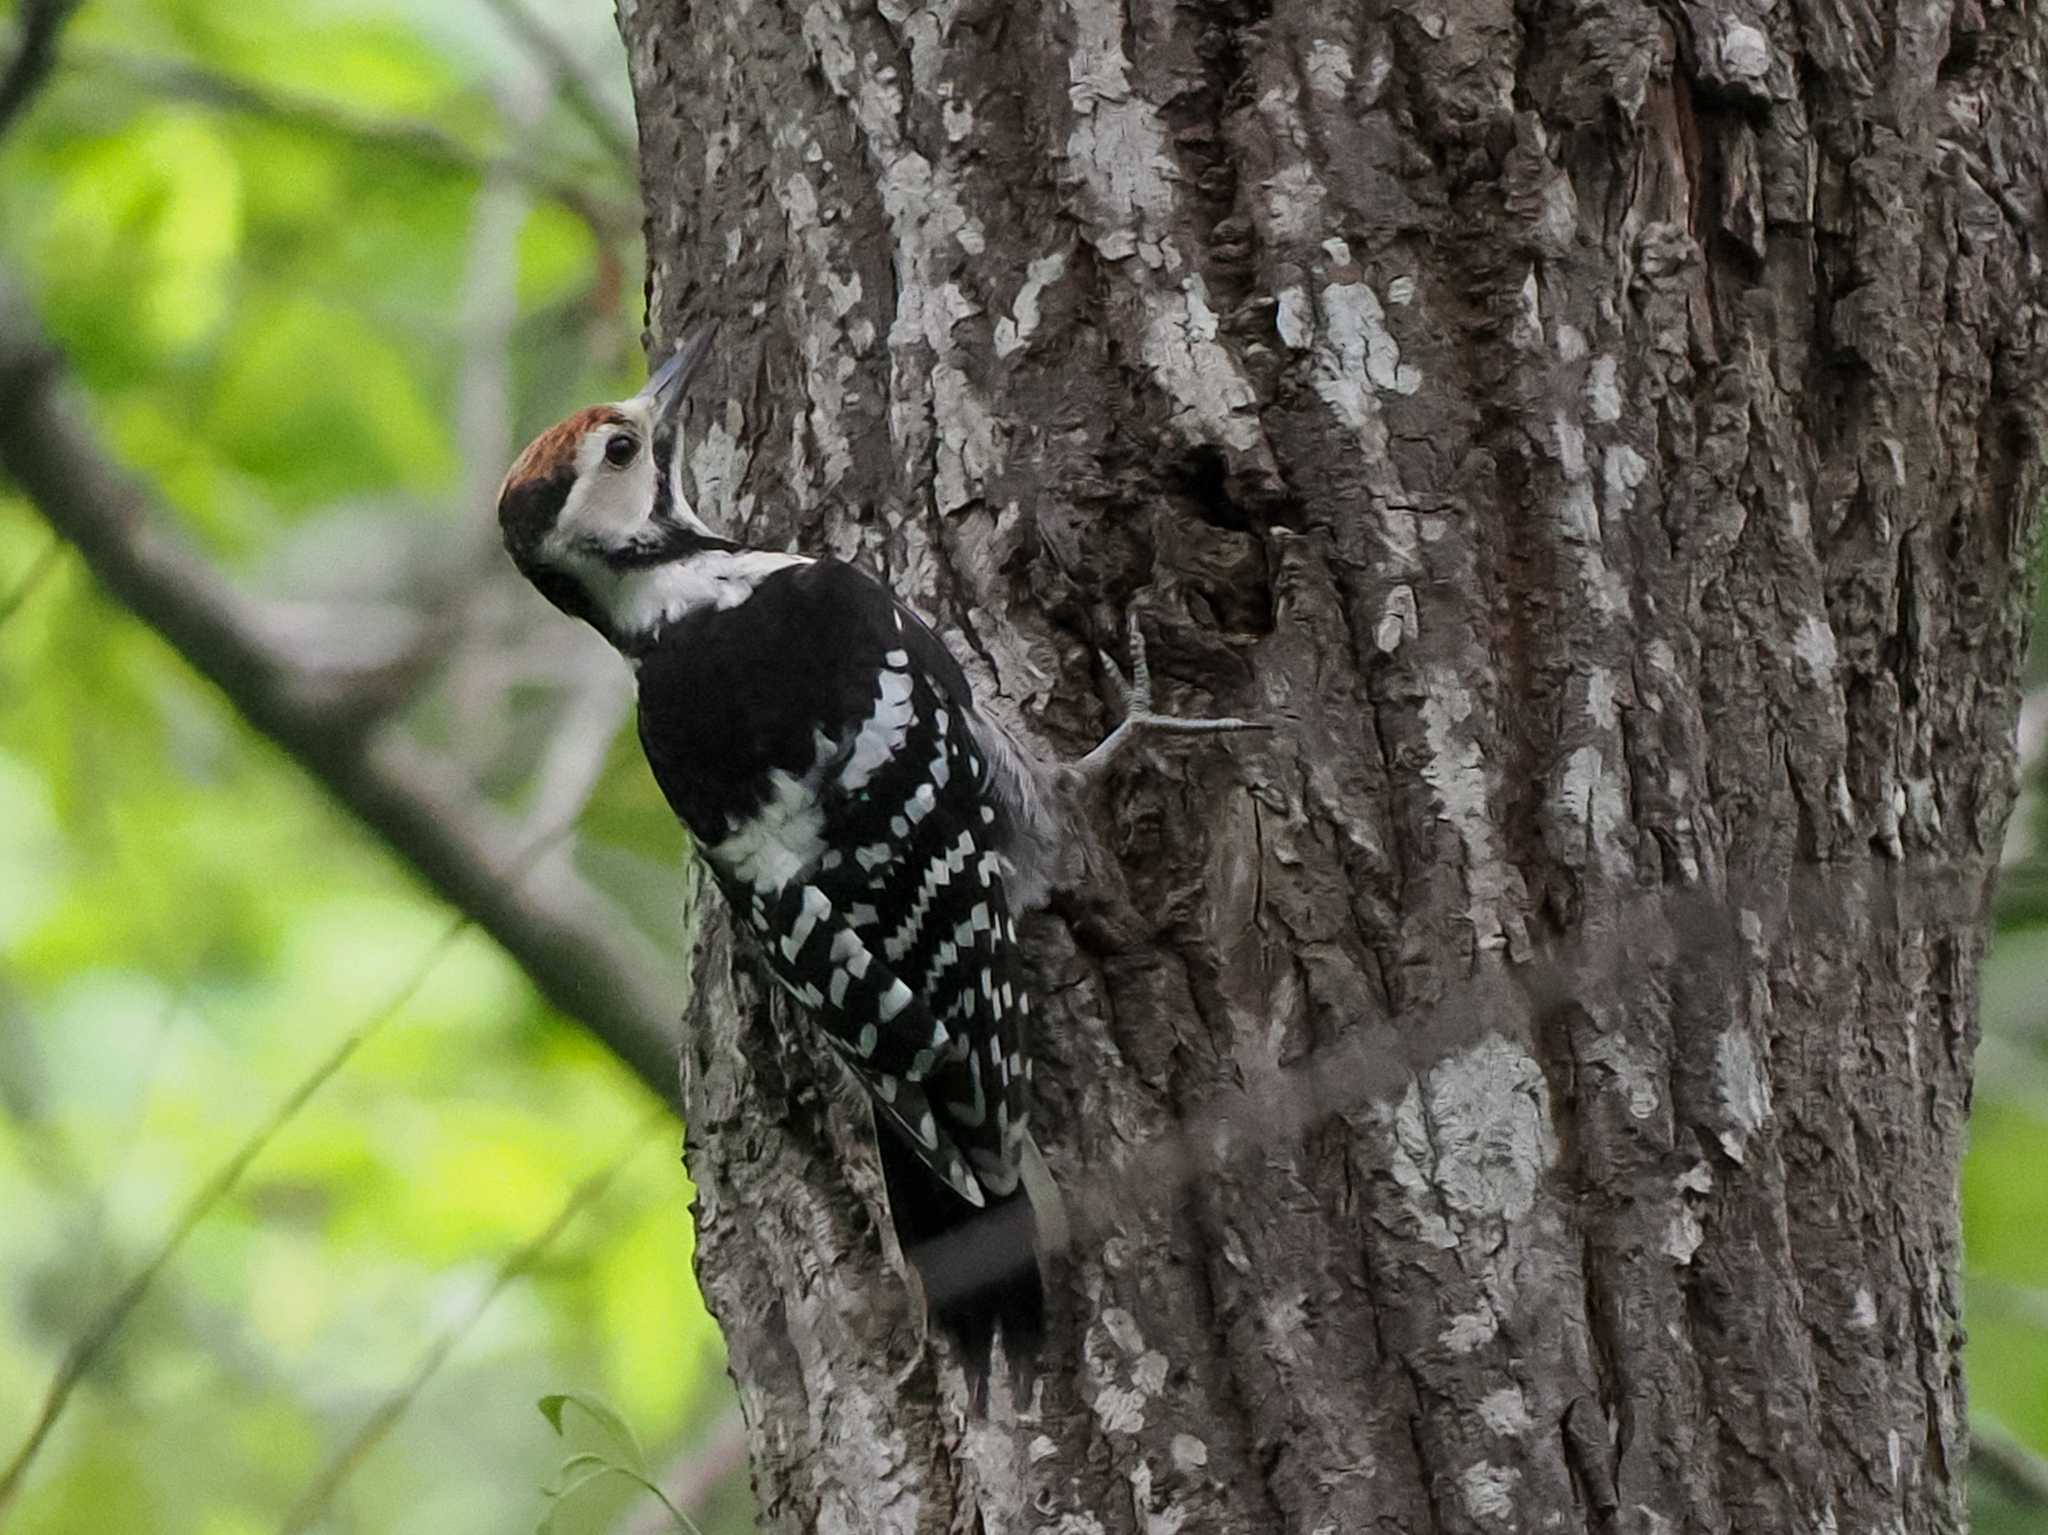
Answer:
(816, 740)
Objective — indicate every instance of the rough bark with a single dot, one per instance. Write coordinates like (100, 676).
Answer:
(1525, 1090)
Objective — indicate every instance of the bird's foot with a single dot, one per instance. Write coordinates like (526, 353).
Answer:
(1141, 718)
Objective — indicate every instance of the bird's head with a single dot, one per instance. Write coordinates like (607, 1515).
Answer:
(599, 495)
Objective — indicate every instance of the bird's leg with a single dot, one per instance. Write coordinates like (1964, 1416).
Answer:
(1140, 717)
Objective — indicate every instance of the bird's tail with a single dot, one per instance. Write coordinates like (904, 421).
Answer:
(980, 1267)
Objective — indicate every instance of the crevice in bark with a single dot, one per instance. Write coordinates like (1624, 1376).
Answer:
(1236, 1406)
(1608, 463)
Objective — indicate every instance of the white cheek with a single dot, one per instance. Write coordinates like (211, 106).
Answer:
(609, 507)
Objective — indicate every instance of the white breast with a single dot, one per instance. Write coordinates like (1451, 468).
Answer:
(642, 601)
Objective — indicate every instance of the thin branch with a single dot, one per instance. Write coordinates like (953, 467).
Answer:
(580, 91)
(609, 219)
(99, 1332)
(677, 1518)
(31, 583)
(718, 1455)
(576, 754)
(1993, 1295)
(2010, 1069)
(1377, 1060)
(2019, 1470)
(100, 1256)
(313, 1503)
(490, 309)
(579, 949)
(35, 54)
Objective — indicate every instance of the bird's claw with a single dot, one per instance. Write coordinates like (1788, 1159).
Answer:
(1135, 698)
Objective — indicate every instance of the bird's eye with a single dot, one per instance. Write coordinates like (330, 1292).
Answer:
(619, 449)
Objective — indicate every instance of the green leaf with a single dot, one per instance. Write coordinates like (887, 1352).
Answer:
(155, 214)
(612, 1429)
(271, 319)
(578, 1472)
(568, 1469)
(362, 404)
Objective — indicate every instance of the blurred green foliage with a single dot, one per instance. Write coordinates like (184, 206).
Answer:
(268, 298)
(272, 299)
(2005, 1197)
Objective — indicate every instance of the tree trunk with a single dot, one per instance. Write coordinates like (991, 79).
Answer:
(1524, 1090)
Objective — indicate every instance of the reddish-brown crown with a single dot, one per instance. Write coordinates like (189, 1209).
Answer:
(539, 481)
(554, 451)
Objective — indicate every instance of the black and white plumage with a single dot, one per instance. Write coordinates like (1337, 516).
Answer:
(872, 828)
(850, 828)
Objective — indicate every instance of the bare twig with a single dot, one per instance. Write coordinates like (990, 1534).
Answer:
(2010, 1069)
(1991, 1295)
(580, 950)
(1372, 1065)
(35, 52)
(2019, 1470)
(320, 1493)
(470, 618)
(609, 218)
(718, 1455)
(578, 89)
(92, 1342)
(582, 741)
(490, 309)
(100, 1256)
(18, 595)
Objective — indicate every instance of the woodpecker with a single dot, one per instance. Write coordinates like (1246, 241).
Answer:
(873, 828)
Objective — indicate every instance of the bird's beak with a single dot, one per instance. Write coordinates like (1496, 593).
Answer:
(664, 390)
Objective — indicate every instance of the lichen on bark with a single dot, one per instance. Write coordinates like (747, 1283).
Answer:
(1524, 1090)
